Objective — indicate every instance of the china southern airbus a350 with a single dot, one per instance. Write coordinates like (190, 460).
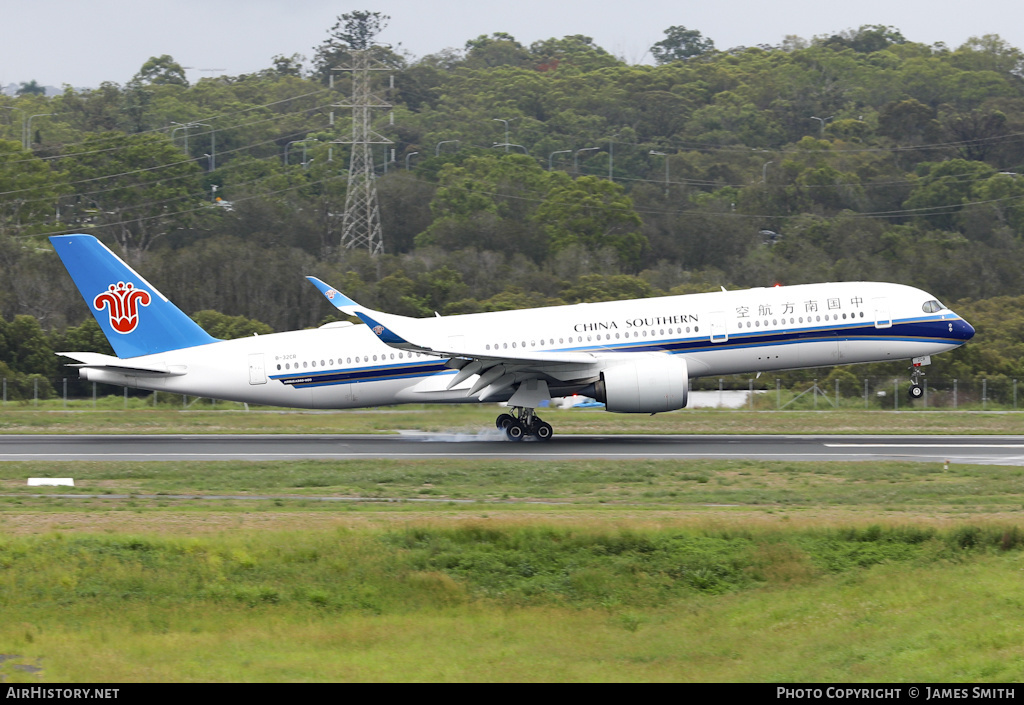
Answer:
(636, 356)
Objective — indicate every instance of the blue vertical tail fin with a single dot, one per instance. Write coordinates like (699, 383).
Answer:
(136, 318)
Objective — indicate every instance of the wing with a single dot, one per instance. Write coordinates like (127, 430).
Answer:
(495, 372)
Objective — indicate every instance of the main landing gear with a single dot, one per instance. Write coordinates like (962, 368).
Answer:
(523, 422)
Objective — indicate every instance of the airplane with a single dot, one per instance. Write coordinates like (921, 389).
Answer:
(635, 356)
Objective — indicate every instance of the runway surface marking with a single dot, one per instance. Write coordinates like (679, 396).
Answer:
(924, 445)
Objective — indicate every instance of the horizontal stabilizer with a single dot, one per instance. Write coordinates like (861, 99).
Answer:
(98, 361)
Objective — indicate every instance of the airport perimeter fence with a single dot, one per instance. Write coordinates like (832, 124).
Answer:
(763, 393)
(870, 393)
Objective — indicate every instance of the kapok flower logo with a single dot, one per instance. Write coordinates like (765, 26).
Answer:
(122, 302)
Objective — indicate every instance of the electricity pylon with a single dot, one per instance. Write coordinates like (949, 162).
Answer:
(360, 226)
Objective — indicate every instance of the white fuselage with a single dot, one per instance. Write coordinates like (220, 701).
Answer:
(720, 333)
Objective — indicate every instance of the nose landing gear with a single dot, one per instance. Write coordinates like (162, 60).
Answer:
(917, 377)
(523, 422)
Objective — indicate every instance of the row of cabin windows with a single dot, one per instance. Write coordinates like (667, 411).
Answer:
(348, 360)
(563, 341)
(590, 338)
(793, 321)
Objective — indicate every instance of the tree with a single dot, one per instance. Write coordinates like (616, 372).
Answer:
(730, 119)
(161, 70)
(591, 288)
(867, 39)
(28, 190)
(680, 44)
(31, 88)
(577, 51)
(136, 187)
(29, 347)
(354, 31)
(990, 53)
(360, 28)
(595, 213)
(288, 65)
(95, 110)
(499, 49)
(909, 122)
(226, 327)
(86, 337)
(976, 133)
(944, 187)
(488, 202)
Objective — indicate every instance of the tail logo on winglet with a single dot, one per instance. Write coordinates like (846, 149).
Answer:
(122, 303)
(379, 330)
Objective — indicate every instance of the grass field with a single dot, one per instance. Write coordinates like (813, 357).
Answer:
(514, 570)
(19, 418)
(487, 601)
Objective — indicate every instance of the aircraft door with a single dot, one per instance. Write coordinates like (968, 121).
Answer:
(883, 319)
(257, 371)
(719, 333)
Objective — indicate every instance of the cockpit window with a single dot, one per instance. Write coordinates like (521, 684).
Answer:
(932, 306)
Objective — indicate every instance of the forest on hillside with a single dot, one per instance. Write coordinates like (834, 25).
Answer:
(528, 176)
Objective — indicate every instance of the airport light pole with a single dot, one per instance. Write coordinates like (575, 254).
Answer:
(180, 126)
(506, 143)
(27, 133)
(611, 157)
(822, 122)
(437, 149)
(663, 154)
(576, 158)
(552, 156)
(303, 142)
(213, 143)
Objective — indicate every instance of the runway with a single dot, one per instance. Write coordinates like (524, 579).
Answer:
(990, 450)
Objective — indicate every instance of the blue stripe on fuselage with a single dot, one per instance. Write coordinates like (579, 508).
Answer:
(360, 374)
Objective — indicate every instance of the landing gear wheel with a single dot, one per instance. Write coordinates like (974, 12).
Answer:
(522, 422)
(917, 382)
(543, 431)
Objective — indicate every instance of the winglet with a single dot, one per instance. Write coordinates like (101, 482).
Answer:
(386, 335)
(337, 299)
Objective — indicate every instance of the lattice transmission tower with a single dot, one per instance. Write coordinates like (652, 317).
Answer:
(360, 225)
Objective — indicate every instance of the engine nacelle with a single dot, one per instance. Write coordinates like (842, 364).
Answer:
(649, 385)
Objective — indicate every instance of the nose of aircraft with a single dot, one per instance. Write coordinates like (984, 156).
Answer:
(964, 330)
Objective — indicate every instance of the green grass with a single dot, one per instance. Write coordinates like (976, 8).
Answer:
(746, 484)
(472, 418)
(491, 602)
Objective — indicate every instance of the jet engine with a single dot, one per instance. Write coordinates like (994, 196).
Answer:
(649, 385)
